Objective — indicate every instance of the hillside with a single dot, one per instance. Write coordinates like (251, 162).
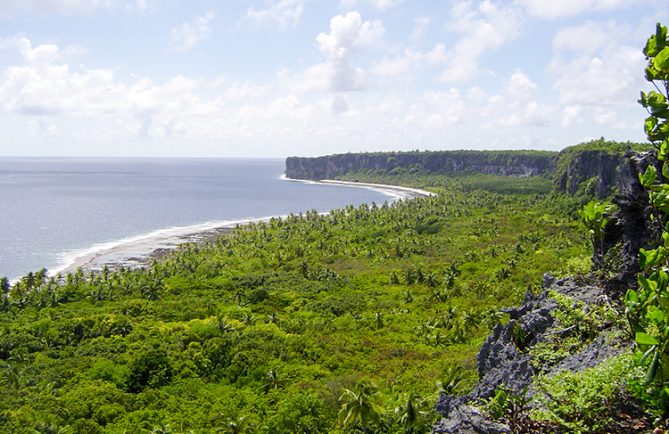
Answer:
(279, 326)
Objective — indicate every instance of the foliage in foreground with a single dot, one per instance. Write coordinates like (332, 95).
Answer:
(648, 306)
(312, 323)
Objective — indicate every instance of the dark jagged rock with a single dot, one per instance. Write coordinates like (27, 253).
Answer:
(466, 419)
(630, 227)
(597, 351)
(503, 360)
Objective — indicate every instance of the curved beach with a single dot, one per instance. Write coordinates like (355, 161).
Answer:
(141, 250)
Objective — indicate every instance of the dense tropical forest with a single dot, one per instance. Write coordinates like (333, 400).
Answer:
(358, 320)
(312, 323)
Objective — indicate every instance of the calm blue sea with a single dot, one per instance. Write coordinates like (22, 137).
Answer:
(53, 208)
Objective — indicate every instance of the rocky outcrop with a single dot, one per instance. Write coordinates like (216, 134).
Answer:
(504, 359)
(595, 172)
(592, 169)
(631, 226)
(507, 163)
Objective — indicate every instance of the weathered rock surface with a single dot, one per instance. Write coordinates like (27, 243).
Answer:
(631, 226)
(504, 360)
(466, 419)
(598, 168)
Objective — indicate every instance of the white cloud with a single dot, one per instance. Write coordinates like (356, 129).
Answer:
(596, 73)
(339, 105)
(420, 26)
(44, 86)
(348, 35)
(67, 7)
(520, 86)
(186, 36)
(552, 9)
(608, 74)
(571, 115)
(586, 38)
(483, 28)
(381, 5)
(405, 65)
(283, 13)
(520, 102)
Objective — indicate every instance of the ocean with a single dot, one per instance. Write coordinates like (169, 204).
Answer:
(56, 211)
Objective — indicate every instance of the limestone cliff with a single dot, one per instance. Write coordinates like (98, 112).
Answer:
(592, 169)
(508, 163)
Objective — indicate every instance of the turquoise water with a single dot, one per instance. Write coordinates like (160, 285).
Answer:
(55, 209)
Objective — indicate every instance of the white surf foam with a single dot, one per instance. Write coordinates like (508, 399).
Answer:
(132, 249)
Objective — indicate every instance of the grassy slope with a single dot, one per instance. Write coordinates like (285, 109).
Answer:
(267, 327)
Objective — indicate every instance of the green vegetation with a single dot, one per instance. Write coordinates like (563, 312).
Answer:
(413, 177)
(342, 322)
(586, 401)
(607, 146)
(313, 323)
(648, 306)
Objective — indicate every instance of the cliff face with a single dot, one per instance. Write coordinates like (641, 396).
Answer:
(590, 169)
(507, 163)
(595, 172)
(593, 169)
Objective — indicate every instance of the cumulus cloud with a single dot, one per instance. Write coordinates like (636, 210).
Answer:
(283, 13)
(482, 28)
(552, 9)
(595, 72)
(186, 36)
(45, 86)
(602, 71)
(348, 35)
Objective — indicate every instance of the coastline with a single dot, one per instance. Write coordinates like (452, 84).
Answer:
(140, 251)
(401, 192)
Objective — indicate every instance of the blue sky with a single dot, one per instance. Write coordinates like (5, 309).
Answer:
(272, 78)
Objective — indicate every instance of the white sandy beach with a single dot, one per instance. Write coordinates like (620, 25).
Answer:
(140, 250)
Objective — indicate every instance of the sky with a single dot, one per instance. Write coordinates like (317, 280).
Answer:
(275, 78)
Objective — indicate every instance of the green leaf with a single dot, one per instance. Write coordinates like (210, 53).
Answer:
(655, 315)
(665, 167)
(661, 61)
(656, 100)
(643, 100)
(631, 296)
(648, 177)
(652, 370)
(649, 124)
(650, 74)
(645, 339)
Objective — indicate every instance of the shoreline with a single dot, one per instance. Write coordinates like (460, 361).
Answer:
(140, 251)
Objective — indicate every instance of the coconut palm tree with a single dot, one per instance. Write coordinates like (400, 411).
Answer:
(410, 413)
(360, 407)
